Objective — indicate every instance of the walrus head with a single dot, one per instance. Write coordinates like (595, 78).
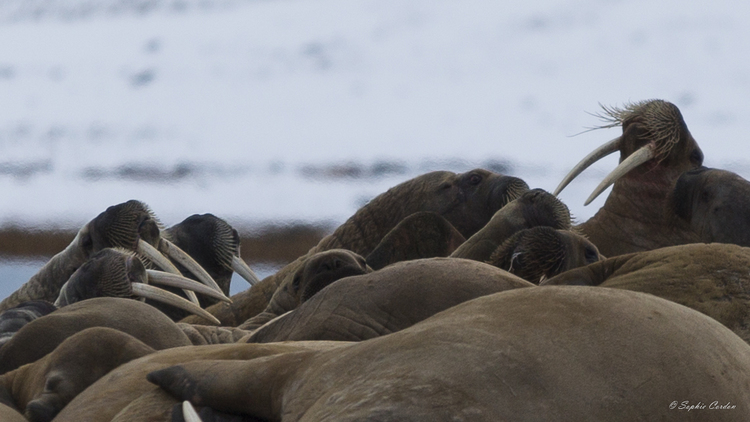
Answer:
(115, 272)
(542, 252)
(471, 199)
(716, 204)
(310, 276)
(655, 145)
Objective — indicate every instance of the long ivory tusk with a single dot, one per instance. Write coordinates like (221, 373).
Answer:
(240, 267)
(150, 252)
(189, 413)
(594, 156)
(155, 293)
(174, 280)
(635, 159)
(172, 251)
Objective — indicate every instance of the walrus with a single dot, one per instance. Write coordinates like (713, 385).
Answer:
(130, 225)
(42, 388)
(116, 272)
(388, 300)
(43, 335)
(541, 353)
(655, 148)
(715, 203)
(15, 318)
(542, 252)
(466, 200)
(319, 270)
(710, 278)
(533, 208)
(421, 235)
(215, 245)
(113, 394)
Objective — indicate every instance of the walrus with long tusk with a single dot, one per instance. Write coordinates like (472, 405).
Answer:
(655, 148)
(114, 272)
(130, 225)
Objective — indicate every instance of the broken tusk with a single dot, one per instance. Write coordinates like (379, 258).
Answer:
(189, 413)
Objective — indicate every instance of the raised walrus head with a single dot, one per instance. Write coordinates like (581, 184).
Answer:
(655, 148)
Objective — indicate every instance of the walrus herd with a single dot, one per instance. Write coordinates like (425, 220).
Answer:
(450, 297)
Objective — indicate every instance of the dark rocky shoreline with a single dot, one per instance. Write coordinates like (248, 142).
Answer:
(272, 244)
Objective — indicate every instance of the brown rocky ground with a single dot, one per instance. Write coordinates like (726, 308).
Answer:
(268, 245)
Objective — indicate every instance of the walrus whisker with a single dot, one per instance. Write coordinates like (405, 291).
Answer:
(174, 280)
(189, 413)
(150, 252)
(171, 250)
(635, 159)
(154, 293)
(243, 270)
(596, 155)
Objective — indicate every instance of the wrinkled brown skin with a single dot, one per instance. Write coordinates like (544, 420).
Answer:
(533, 208)
(542, 252)
(467, 200)
(320, 270)
(201, 335)
(385, 301)
(134, 221)
(710, 278)
(716, 204)
(114, 392)
(542, 353)
(44, 334)
(13, 319)
(9, 414)
(420, 235)
(41, 389)
(636, 215)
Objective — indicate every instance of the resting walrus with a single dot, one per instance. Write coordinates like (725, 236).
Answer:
(44, 334)
(541, 353)
(385, 301)
(41, 389)
(711, 278)
(466, 200)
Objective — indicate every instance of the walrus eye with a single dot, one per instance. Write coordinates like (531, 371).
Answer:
(696, 157)
(590, 255)
(295, 282)
(475, 179)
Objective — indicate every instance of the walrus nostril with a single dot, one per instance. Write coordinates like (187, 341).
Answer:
(38, 411)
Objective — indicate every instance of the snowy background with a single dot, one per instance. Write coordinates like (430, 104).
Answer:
(283, 110)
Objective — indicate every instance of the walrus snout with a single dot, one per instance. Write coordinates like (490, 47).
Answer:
(509, 189)
(43, 409)
(328, 267)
